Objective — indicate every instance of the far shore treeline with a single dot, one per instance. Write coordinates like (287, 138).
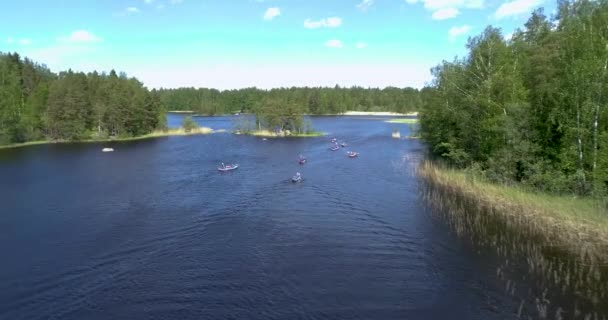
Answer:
(305, 100)
(39, 105)
(532, 109)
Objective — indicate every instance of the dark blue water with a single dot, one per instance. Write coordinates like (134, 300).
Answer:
(154, 231)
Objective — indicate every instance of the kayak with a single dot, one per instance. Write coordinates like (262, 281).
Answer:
(302, 161)
(107, 150)
(352, 154)
(228, 168)
(334, 148)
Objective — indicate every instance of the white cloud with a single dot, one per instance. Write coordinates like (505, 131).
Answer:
(309, 24)
(441, 4)
(132, 10)
(271, 13)
(446, 9)
(361, 45)
(81, 36)
(66, 56)
(455, 32)
(334, 44)
(10, 40)
(331, 22)
(516, 7)
(365, 5)
(70, 51)
(445, 13)
(25, 42)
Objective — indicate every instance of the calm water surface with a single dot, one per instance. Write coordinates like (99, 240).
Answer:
(153, 231)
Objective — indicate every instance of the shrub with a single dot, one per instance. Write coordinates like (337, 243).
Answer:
(189, 124)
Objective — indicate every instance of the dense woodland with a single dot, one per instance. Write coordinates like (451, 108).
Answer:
(531, 109)
(37, 104)
(304, 100)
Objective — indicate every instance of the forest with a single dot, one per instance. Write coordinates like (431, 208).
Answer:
(530, 109)
(37, 104)
(305, 100)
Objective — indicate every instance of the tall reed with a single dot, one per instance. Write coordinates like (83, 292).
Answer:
(554, 258)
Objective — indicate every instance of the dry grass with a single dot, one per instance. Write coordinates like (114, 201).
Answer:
(403, 121)
(181, 132)
(561, 242)
(272, 134)
(577, 224)
(378, 113)
(152, 135)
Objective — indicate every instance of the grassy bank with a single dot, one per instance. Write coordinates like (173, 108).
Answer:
(404, 121)
(152, 135)
(378, 113)
(555, 246)
(347, 113)
(271, 134)
(578, 225)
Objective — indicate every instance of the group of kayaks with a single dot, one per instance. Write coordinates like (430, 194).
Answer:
(301, 160)
(336, 146)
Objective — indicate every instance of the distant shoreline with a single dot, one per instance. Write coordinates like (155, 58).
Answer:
(270, 134)
(379, 113)
(347, 113)
(152, 135)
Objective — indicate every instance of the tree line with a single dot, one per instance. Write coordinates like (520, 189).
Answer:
(530, 109)
(305, 100)
(37, 104)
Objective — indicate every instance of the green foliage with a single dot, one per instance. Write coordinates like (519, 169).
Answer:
(279, 115)
(36, 104)
(529, 110)
(308, 100)
(189, 124)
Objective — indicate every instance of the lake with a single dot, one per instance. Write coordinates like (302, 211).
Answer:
(154, 231)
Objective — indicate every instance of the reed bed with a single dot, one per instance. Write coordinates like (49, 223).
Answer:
(552, 251)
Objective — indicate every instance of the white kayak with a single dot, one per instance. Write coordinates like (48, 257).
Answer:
(228, 168)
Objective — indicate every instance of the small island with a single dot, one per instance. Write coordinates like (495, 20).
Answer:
(276, 118)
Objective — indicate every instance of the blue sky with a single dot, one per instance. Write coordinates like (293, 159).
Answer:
(265, 43)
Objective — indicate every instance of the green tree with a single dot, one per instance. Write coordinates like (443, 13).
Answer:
(188, 124)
